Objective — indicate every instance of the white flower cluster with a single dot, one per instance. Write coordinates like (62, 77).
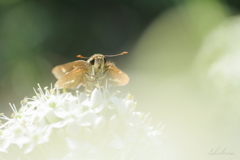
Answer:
(54, 126)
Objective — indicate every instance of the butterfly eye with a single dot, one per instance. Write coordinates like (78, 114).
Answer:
(92, 62)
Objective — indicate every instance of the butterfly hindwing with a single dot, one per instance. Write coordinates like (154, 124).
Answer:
(115, 76)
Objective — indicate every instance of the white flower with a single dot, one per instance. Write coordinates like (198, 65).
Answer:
(63, 126)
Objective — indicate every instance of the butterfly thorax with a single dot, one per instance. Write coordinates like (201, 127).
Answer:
(97, 69)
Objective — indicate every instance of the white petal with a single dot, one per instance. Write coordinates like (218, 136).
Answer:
(72, 144)
(61, 113)
(61, 133)
(5, 144)
(99, 109)
(51, 117)
(114, 122)
(131, 135)
(29, 148)
(117, 143)
(99, 123)
(73, 129)
(119, 103)
(82, 97)
(20, 141)
(88, 133)
(59, 124)
(96, 98)
(88, 118)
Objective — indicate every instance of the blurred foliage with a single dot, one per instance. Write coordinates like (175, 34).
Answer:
(217, 63)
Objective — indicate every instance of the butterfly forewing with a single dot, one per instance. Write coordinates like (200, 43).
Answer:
(73, 79)
(61, 70)
(116, 76)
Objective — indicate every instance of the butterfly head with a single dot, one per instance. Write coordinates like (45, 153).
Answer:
(97, 60)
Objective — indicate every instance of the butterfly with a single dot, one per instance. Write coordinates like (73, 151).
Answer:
(94, 72)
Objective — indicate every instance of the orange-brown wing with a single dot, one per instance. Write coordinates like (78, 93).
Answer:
(73, 79)
(116, 76)
(61, 70)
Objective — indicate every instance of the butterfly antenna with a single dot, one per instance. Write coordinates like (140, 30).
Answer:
(80, 56)
(116, 54)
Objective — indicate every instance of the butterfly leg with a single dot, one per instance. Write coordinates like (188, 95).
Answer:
(89, 83)
(64, 90)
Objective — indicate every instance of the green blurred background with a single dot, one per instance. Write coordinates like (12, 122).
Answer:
(183, 60)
